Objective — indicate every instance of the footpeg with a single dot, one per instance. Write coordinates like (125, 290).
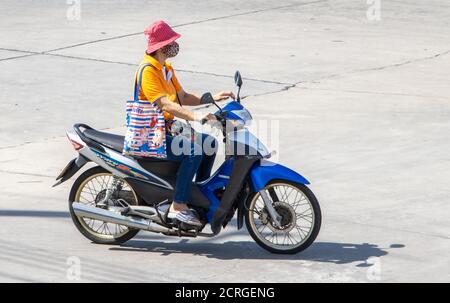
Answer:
(125, 211)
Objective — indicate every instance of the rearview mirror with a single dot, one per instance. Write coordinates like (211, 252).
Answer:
(238, 79)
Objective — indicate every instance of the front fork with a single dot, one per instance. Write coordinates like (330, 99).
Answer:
(268, 202)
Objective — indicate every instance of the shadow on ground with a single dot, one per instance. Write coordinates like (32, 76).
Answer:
(338, 253)
(34, 213)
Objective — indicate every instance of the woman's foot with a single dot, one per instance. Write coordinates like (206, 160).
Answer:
(182, 213)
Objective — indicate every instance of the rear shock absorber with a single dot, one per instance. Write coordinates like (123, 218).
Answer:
(115, 184)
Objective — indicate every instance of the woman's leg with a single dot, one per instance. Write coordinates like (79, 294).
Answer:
(209, 149)
(182, 150)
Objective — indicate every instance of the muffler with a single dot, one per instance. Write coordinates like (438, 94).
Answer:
(96, 213)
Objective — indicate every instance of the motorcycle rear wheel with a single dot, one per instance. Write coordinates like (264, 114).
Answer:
(102, 234)
(301, 218)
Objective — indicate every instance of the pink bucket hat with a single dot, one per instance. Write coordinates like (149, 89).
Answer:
(158, 35)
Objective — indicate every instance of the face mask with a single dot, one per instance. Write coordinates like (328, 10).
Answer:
(171, 50)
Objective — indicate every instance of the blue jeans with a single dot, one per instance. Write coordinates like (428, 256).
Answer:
(195, 157)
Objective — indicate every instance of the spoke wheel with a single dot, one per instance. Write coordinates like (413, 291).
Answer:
(300, 218)
(90, 189)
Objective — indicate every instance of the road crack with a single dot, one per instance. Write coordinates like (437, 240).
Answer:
(190, 23)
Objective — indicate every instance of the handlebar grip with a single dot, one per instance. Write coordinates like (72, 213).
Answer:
(218, 117)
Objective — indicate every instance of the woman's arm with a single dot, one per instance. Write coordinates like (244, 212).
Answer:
(176, 110)
(194, 100)
(188, 99)
(180, 112)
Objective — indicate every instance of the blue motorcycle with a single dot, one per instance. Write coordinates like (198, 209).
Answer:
(111, 202)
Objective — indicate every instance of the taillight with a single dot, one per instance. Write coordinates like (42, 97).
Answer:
(75, 144)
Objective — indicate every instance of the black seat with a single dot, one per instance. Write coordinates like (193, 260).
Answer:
(112, 141)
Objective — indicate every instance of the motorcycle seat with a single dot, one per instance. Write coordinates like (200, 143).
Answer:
(112, 141)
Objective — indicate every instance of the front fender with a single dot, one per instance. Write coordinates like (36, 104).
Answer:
(263, 173)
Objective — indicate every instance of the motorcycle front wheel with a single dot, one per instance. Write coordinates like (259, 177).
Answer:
(90, 188)
(300, 218)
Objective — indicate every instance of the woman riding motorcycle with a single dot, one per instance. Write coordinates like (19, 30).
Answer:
(160, 85)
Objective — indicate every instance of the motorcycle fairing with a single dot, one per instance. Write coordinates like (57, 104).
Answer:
(128, 167)
(237, 169)
(233, 105)
(154, 180)
(153, 194)
(266, 171)
(217, 181)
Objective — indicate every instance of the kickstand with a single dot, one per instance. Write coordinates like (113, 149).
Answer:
(179, 230)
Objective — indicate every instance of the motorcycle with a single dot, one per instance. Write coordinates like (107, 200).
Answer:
(111, 202)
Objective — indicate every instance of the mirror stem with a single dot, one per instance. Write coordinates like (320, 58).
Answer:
(220, 109)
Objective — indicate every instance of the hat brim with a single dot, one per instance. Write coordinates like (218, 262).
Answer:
(154, 47)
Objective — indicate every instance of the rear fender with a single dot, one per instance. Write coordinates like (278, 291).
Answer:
(71, 169)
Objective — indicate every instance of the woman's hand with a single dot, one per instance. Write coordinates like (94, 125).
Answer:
(208, 118)
(223, 95)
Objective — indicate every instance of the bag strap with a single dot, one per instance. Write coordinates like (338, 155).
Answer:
(137, 86)
(179, 102)
(137, 81)
(176, 93)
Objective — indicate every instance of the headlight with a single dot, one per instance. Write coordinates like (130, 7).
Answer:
(243, 114)
(239, 117)
(235, 123)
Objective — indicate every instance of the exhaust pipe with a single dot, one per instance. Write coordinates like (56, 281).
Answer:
(96, 213)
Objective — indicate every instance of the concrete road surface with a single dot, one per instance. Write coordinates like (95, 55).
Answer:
(361, 92)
